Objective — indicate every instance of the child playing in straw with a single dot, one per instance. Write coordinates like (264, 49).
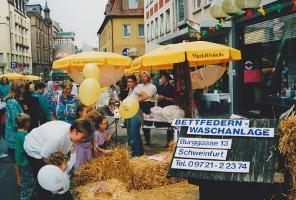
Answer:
(60, 160)
(100, 137)
(84, 150)
(27, 180)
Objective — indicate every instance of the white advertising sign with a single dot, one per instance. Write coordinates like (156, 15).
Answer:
(205, 143)
(211, 165)
(242, 123)
(210, 154)
(232, 131)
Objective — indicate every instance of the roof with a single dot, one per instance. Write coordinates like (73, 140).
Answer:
(116, 9)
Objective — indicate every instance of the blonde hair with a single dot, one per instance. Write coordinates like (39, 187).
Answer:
(66, 83)
(22, 121)
(145, 73)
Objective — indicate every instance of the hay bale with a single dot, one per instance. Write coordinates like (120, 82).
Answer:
(149, 173)
(115, 190)
(136, 173)
(287, 147)
(116, 165)
(112, 189)
(177, 191)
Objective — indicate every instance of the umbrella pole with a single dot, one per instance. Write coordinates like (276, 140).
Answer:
(183, 88)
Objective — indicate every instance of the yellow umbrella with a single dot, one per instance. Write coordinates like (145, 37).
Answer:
(131, 71)
(78, 61)
(32, 78)
(196, 53)
(13, 76)
(111, 65)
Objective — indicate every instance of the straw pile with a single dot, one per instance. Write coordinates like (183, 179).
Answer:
(287, 146)
(110, 189)
(149, 173)
(114, 190)
(116, 165)
(177, 191)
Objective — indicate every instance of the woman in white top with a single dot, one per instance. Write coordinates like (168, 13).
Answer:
(150, 89)
(50, 137)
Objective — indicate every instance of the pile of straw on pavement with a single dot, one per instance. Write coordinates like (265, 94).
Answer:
(116, 165)
(110, 189)
(115, 176)
(147, 173)
(287, 147)
(113, 190)
(136, 173)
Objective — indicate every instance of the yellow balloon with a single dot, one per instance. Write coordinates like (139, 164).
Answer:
(91, 71)
(129, 107)
(89, 91)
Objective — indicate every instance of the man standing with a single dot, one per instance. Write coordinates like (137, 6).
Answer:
(50, 137)
(45, 113)
(134, 124)
(149, 89)
(165, 97)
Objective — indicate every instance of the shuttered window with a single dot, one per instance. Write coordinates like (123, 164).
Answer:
(271, 30)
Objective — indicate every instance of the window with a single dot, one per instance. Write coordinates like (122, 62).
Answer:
(141, 30)
(133, 4)
(197, 4)
(167, 21)
(180, 10)
(161, 25)
(152, 30)
(1, 57)
(148, 32)
(156, 27)
(126, 30)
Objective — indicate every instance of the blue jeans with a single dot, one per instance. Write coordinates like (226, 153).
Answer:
(135, 140)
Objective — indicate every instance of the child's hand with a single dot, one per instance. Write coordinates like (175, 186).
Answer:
(73, 149)
(107, 151)
(108, 138)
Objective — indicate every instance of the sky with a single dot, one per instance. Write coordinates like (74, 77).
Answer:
(84, 17)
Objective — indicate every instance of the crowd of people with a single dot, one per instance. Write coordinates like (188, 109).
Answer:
(40, 122)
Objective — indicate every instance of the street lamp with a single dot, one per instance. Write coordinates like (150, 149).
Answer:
(247, 4)
(230, 7)
(216, 10)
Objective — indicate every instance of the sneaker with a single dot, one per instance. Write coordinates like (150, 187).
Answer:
(3, 155)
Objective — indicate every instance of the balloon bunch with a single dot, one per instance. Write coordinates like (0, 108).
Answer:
(89, 90)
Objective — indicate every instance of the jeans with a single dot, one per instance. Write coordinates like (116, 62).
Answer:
(134, 127)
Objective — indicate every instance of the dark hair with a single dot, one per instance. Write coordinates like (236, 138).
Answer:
(165, 74)
(98, 120)
(39, 85)
(133, 77)
(22, 121)
(4, 77)
(57, 158)
(83, 126)
(79, 109)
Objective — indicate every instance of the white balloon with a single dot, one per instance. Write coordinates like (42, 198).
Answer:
(52, 178)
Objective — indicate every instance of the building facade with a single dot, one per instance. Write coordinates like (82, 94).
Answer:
(15, 48)
(122, 30)
(40, 30)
